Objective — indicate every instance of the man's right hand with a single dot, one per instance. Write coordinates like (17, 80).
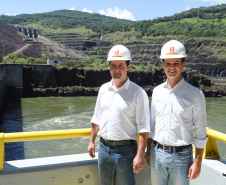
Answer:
(91, 149)
(147, 158)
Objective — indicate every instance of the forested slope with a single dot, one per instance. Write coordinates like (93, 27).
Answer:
(202, 30)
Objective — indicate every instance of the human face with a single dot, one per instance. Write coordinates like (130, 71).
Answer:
(118, 70)
(173, 68)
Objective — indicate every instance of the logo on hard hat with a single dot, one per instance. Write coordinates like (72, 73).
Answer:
(116, 52)
(171, 48)
(171, 51)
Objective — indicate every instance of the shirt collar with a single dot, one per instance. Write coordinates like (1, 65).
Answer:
(125, 85)
(180, 83)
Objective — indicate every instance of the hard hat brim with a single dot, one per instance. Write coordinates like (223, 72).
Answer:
(118, 59)
(173, 56)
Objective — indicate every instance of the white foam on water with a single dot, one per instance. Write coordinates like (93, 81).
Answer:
(76, 121)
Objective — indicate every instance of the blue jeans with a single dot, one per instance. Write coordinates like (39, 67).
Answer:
(116, 160)
(167, 166)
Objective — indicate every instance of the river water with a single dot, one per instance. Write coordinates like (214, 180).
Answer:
(57, 113)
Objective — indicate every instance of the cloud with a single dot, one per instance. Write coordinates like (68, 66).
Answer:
(86, 10)
(102, 12)
(116, 12)
(214, 1)
(187, 8)
(72, 8)
(9, 14)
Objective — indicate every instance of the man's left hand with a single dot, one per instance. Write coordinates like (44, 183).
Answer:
(138, 163)
(194, 171)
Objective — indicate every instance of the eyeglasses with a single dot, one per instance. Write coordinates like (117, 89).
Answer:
(113, 66)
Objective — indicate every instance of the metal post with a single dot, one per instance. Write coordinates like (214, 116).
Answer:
(2, 151)
(211, 149)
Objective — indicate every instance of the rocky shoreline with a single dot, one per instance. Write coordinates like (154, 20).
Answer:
(63, 81)
(93, 91)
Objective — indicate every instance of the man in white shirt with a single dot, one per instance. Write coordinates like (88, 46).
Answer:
(121, 112)
(175, 108)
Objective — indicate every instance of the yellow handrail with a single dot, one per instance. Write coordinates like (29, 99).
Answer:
(215, 134)
(40, 135)
(45, 135)
(211, 150)
(72, 133)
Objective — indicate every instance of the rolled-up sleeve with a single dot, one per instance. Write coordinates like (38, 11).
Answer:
(97, 113)
(142, 113)
(200, 121)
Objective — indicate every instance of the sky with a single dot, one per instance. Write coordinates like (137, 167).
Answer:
(135, 10)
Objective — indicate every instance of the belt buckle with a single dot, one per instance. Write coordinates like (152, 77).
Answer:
(110, 142)
(113, 143)
(164, 148)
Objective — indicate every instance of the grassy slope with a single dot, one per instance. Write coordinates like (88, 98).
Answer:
(46, 22)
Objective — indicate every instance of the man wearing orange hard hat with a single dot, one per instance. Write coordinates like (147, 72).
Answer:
(121, 112)
(176, 108)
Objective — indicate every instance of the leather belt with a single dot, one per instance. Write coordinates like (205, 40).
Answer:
(117, 143)
(171, 148)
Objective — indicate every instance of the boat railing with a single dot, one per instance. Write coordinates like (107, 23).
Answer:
(210, 151)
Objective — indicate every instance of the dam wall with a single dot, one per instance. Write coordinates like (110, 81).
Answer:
(46, 80)
(2, 90)
(11, 84)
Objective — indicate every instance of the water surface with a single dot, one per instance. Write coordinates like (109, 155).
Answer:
(59, 113)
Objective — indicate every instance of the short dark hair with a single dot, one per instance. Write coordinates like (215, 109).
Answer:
(182, 60)
(127, 62)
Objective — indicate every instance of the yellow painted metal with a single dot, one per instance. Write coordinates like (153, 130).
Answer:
(2, 151)
(138, 136)
(41, 135)
(45, 135)
(216, 135)
(211, 150)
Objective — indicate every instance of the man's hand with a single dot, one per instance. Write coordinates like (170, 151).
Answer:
(91, 149)
(138, 163)
(91, 146)
(195, 168)
(194, 171)
(147, 158)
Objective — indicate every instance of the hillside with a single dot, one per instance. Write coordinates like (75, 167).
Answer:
(202, 30)
(9, 39)
(196, 22)
(67, 19)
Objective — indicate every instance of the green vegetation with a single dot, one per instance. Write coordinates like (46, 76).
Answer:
(69, 19)
(98, 64)
(188, 27)
(79, 30)
(13, 59)
(89, 64)
(202, 29)
(92, 63)
(197, 22)
(94, 51)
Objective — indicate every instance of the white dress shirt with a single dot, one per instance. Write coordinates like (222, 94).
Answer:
(175, 111)
(123, 113)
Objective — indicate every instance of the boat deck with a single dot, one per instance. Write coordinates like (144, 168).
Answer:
(81, 169)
